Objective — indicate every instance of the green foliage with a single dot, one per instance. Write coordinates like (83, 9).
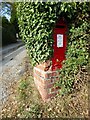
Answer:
(32, 112)
(36, 23)
(23, 85)
(29, 106)
(8, 32)
(21, 89)
(76, 57)
(10, 28)
(14, 19)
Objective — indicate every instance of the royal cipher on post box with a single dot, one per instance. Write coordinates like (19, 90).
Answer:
(59, 45)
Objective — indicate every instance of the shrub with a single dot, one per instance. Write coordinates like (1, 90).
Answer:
(77, 54)
(76, 57)
(36, 22)
(8, 32)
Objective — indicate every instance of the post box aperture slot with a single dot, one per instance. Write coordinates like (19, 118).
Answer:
(59, 40)
(59, 26)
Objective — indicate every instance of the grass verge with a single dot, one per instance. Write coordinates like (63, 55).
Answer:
(25, 102)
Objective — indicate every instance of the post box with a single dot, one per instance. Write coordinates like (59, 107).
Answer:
(59, 45)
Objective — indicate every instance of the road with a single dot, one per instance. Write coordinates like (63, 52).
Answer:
(10, 56)
(11, 69)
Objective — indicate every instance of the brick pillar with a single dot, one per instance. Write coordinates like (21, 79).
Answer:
(45, 80)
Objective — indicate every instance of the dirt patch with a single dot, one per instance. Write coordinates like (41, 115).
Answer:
(25, 101)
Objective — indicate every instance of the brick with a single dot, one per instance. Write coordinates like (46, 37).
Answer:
(44, 66)
(54, 89)
(40, 88)
(40, 73)
(50, 81)
(45, 81)
(46, 99)
(41, 67)
(49, 75)
(36, 83)
(49, 85)
(43, 84)
(40, 79)
(37, 72)
(54, 74)
(46, 75)
(39, 83)
(44, 94)
(51, 95)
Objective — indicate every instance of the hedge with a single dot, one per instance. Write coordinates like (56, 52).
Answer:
(36, 23)
(8, 32)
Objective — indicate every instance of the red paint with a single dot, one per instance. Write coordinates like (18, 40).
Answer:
(59, 52)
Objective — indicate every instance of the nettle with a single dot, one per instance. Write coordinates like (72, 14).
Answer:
(36, 23)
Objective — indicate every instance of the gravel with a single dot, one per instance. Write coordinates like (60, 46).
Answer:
(11, 72)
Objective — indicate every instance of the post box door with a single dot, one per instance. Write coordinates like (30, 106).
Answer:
(59, 46)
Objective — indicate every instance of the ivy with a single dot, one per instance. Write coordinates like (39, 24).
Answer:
(77, 56)
(36, 23)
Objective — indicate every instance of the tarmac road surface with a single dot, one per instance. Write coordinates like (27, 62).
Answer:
(11, 68)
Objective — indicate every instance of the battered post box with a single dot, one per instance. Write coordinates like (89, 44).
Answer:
(59, 46)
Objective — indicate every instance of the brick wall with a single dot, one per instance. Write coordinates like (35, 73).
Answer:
(45, 80)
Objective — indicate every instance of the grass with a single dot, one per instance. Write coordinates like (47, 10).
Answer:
(25, 102)
(28, 98)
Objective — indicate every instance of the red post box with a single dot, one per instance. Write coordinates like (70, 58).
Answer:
(59, 46)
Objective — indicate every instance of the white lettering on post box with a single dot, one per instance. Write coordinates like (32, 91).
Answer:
(59, 40)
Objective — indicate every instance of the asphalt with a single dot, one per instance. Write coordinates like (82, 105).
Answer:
(11, 67)
(9, 52)
(5, 52)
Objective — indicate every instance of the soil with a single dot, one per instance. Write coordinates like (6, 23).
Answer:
(25, 101)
